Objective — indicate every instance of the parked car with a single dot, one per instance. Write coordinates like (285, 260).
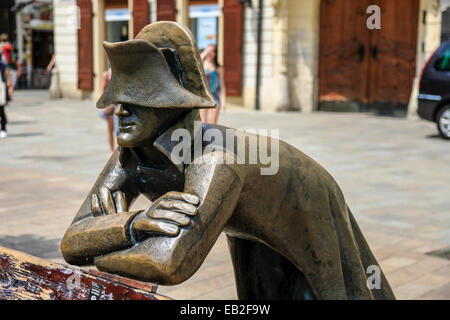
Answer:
(434, 90)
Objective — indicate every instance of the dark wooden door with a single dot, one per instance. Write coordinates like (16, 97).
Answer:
(232, 50)
(85, 47)
(393, 52)
(343, 61)
(42, 48)
(166, 10)
(363, 65)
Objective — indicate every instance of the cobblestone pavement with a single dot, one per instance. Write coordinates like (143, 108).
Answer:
(394, 174)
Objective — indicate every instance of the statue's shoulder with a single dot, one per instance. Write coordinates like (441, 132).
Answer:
(217, 136)
(211, 129)
(221, 144)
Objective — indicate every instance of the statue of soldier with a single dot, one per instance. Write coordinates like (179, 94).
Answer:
(291, 235)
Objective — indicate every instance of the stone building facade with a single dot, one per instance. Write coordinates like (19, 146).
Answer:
(292, 59)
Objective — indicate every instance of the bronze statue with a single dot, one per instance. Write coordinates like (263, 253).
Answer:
(291, 234)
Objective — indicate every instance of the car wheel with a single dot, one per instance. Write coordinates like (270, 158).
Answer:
(443, 122)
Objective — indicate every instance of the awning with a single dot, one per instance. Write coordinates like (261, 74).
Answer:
(38, 24)
(117, 15)
(204, 11)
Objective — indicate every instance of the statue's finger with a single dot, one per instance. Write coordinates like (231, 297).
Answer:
(107, 201)
(121, 202)
(182, 196)
(179, 206)
(171, 216)
(156, 226)
(95, 206)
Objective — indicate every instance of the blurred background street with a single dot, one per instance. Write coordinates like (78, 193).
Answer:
(343, 80)
(393, 172)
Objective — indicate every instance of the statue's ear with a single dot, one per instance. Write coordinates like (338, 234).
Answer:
(175, 66)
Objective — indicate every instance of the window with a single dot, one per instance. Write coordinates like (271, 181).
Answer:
(443, 62)
(204, 24)
(117, 24)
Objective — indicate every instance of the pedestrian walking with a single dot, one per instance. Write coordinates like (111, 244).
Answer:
(5, 82)
(6, 48)
(51, 64)
(215, 76)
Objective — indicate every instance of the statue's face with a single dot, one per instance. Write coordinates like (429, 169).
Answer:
(139, 126)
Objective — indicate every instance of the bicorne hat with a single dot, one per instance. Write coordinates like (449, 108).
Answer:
(160, 68)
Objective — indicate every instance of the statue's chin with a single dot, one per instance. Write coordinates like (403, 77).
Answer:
(128, 141)
(123, 145)
(125, 142)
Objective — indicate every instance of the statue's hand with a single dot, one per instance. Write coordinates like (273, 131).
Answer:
(108, 203)
(166, 215)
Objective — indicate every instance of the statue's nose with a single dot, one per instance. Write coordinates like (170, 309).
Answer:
(121, 111)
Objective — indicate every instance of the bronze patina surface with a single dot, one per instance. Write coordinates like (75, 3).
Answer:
(291, 234)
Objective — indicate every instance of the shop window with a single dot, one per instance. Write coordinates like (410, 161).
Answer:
(204, 23)
(117, 24)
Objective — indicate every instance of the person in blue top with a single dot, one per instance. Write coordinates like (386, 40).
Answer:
(5, 78)
(215, 77)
